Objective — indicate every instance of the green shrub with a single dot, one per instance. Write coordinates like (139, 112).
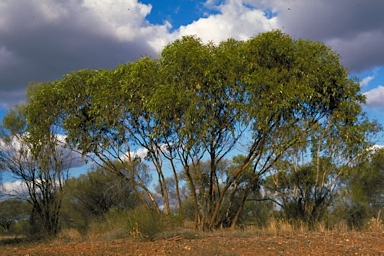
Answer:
(140, 223)
(144, 224)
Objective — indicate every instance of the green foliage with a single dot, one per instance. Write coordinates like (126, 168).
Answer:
(13, 123)
(90, 196)
(362, 195)
(367, 181)
(199, 100)
(140, 223)
(40, 164)
(302, 197)
(144, 224)
(13, 211)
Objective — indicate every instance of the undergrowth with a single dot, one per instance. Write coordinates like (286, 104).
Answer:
(143, 225)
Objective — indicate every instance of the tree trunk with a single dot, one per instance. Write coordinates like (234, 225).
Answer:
(193, 190)
(177, 190)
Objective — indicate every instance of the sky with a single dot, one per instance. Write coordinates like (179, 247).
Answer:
(41, 40)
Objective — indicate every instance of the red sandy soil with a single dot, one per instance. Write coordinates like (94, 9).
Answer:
(307, 243)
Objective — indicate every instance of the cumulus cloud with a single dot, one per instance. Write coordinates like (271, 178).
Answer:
(353, 28)
(234, 19)
(14, 188)
(362, 51)
(72, 159)
(375, 97)
(40, 40)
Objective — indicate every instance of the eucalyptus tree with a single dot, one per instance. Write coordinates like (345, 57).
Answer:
(91, 195)
(290, 99)
(100, 113)
(12, 210)
(308, 177)
(363, 190)
(367, 181)
(199, 102)
(41, 165)
(305, 191)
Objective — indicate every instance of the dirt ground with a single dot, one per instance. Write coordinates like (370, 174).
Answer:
(309, 243)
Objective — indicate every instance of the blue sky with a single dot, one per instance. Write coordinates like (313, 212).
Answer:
(177, 13)
(41, 40)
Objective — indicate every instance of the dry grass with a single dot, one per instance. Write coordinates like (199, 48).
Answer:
(277, 238)
(108, 231)
(279, 227)
(70, 234)
(375, 225)
(217, 243)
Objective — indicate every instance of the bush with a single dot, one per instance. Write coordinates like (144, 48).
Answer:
(144, 224)
(139, 223)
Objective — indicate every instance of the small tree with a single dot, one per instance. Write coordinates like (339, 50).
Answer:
(12, 211)
(41, 165)
(90, 196)
(367, 182)
(300, 195)
(310, 175)
(363, 190)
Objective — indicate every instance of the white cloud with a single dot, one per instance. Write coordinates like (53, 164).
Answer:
(40, 40)
(19, 188)
(140, 153)
(366, 80)
(122, 19)
(14, 188)
(16, 148)
(377, 147)
(375, 97)
(234, 20)
(71, 158)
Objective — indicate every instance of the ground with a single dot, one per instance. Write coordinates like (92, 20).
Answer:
(216, 243)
